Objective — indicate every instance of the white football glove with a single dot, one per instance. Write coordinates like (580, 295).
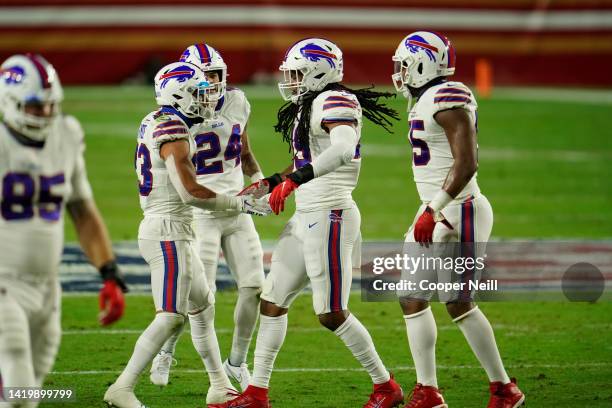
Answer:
(258, 189)
(254, 206)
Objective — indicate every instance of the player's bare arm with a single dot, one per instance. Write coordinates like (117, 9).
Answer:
(177, 152)
(263, 187)
(461, 135)
(182, 174)
(250, 166)
(96, 244)
(288, 170)
(91, 231)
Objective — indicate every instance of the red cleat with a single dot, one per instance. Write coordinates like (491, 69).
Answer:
(252, 397)
(505, 395)
(426, 396)
(386, 395)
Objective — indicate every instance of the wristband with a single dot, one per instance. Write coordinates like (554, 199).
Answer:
(273, 181)
(302, 175)
(110, 271)
(440, 200)
(257, 176)
(225, 202)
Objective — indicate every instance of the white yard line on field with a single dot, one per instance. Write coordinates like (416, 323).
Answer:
(399, 327)
(356, 369)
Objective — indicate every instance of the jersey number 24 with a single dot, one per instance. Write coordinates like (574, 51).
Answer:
(209, 147)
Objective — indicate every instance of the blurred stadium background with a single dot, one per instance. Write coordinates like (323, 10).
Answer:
(542, 72)
(529, 42)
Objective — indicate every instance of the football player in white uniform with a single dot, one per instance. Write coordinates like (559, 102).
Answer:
(443, 128)
(222, 159)
(322, 122)
(168, 190)
(42, 172)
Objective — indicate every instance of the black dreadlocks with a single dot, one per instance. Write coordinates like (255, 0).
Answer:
(378, 113)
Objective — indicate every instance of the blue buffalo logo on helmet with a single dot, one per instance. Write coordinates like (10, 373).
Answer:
(204, 54)
(180, 74)
(12, 75)
(314, 53)
(185, 55)
(415, 43)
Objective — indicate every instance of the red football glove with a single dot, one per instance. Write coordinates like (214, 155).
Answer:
(424, 227)
(112, 302)
(280, 194)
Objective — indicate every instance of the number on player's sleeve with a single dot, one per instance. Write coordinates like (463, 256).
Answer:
(340, 107)
(452, 95)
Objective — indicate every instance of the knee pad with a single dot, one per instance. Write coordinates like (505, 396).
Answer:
(171, 322)
(201, 302)
(201, 321)
(247, 293)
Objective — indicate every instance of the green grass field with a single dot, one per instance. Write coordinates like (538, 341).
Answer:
(560, 353)
(545, 165)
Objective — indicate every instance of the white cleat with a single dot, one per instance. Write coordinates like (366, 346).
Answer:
(239, 374)
(219, 396)
(160, 368)
(121, 397)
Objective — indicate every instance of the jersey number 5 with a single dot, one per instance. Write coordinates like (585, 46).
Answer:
(421, 158)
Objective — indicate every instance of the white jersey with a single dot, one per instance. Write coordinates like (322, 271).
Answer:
(37, 182)
(166, 217)
(333, 190)
(431, 153)
(218, 143)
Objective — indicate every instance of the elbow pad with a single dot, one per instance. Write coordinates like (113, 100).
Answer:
(342, 150)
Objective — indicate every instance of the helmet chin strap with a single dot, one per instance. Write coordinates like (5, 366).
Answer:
(410, 99)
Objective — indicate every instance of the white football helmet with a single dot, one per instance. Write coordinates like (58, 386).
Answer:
(208, 59)
(310, 65)
(183, 86)
(421, 57)
(26, 79)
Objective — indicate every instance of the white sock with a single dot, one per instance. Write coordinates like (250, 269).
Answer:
(422, 334)
(479, 335)
(205, 342)
(359, 341)
(148, 345)
(170, 344)
(272, 331)
(245, 319)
